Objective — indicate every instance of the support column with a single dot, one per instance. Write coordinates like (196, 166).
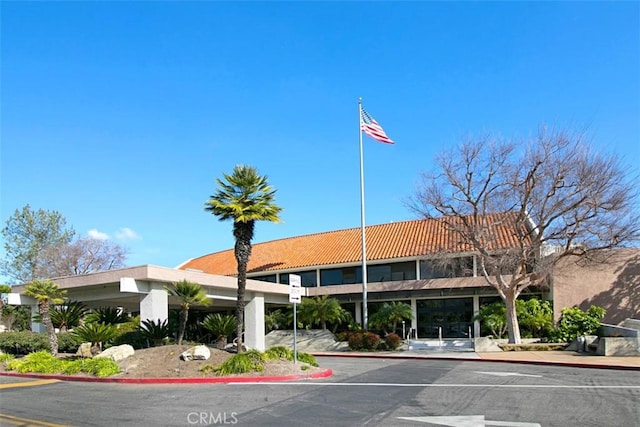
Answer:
(476, 310)
(154, 305)
(414, 321)
(35, 326)
(358, 313)
(254, 322)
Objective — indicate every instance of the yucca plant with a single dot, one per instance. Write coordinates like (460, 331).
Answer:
(155, 330)
(220, 325)
(97, 334)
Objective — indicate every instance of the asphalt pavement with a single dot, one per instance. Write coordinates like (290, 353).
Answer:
(560, 358)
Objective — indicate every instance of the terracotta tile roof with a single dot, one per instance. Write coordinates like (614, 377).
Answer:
(386, 241)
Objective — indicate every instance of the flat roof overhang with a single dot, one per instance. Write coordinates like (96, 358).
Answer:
(124, 286)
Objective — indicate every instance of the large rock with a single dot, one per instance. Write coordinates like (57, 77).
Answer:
(117, 353)
(199, 352)
(84, 350)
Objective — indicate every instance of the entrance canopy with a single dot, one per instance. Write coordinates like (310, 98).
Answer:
(143, 289)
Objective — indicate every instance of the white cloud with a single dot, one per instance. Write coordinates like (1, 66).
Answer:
(127, 234)
(98, 235)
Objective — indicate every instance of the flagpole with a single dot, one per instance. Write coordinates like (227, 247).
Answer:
(365, 314)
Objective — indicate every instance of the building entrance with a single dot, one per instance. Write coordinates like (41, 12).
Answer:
(450, 315)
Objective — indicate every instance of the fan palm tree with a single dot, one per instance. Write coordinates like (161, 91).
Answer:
(189, 293)
(47, 293)
(320, 310)
(390, 314)
(243, 197)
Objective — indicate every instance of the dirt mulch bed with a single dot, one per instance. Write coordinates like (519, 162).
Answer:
(165, 362)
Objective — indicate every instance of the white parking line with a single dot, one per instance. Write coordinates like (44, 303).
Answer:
(442, 385)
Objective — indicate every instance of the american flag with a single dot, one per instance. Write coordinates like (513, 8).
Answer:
(369, 126)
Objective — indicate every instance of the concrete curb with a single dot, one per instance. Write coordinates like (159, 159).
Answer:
(479, 359)
(204, 380)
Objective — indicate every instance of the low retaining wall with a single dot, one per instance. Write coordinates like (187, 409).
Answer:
(618, 331)
(618, 346)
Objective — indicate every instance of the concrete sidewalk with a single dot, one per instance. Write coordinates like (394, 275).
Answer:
(561, 358)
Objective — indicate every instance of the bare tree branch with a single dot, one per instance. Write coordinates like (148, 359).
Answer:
(555, 193)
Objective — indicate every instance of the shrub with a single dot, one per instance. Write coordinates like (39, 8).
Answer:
(392, 341)
(575, 322)
(343, 336)
(95, 333)
(135, 339)
(44, 363)
(355, 340)
(306, 358)
(6, 357)
(41, 362)
(156, 331)
(101, 367)
(363, 340)
(370, 341)
(208, 370)
(493, 318)
(250, 361)
(68, 342)
(279, 352)
(535, 317)
(23, 342)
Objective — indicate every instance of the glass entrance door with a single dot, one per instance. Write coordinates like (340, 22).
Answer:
(453, 315)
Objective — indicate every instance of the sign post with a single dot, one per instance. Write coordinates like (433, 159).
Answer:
(295, 297)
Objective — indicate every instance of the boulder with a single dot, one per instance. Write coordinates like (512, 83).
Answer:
(199, 352)
(84, 350)
(117, 353)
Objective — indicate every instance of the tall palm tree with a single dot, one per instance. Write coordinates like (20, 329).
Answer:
(189, 293)
(47, 293)
(243, 197)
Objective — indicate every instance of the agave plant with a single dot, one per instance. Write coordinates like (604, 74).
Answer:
(220, 325)
(155, 330)
(97, 334)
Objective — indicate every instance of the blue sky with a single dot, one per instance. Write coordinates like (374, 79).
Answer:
(121, 115)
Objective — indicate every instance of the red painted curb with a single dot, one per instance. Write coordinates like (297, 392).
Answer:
(204, 380)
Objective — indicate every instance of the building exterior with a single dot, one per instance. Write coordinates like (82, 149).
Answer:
(404, 263)
(142, 290)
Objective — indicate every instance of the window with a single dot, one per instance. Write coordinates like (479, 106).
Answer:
(452, 267)
(340, 276)
(308, 278)
(268, 278)
(375, 273)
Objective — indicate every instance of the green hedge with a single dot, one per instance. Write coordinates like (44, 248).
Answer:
(25, 342)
